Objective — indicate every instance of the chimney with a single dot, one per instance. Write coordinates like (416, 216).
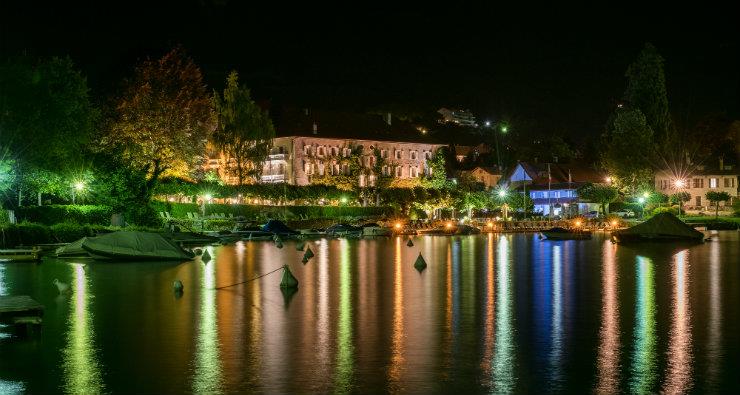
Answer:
(721, 163)
(315, 128)
(388, 118)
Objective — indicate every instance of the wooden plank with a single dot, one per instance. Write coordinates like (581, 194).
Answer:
(20, 303)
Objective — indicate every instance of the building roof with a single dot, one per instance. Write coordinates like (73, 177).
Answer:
(487, 169)
(345, 125)
(563, 175)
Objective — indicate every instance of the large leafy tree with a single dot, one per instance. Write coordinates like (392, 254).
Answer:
(161, 120)
(598, 193)
(437, 167)
(244, 131)
(627, 151)
(46, 120)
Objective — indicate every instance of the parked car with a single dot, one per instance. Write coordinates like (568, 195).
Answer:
(591, 215)
(624, 213)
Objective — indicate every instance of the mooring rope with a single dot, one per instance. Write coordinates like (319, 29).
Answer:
(251, 279)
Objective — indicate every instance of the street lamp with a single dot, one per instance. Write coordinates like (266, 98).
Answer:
(680, 184)
(79, 186)
(641, 200)
(505, 207)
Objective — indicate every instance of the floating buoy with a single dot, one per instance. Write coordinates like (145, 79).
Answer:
(300, 246)
(288, 280)
(276, 239)
(198, 252)
(177, 286)
(309, 253)
(410, 243)
(205, 257)
(304, 260)
(279, 244)
(420, 263)
(288, 295)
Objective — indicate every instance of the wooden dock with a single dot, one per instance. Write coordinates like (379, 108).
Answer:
(21, 308)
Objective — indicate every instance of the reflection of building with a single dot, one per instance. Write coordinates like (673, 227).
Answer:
(459, 117)
(487, 176)
(311, 146)
(554, 184)
(723, 178)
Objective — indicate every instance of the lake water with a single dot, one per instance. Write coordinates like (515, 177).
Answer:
(491, 313)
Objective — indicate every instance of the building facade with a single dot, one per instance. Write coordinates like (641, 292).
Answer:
(722, 178)
(458, 117)
(553, 187)
(487, 176)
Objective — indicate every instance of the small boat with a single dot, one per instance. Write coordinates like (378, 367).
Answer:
(135, 246)
(73, 250)
(279, 228)
(558, 233)
(20, 255)
(661, 227)
(373, 229)
(343, 230)
(466, 230)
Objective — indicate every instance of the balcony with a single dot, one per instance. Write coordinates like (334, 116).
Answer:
(276, 158)
(273, 178)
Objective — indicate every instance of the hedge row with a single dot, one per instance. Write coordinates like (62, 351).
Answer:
(28, 234)
(180, 210)
(289, 192)
(54, 214)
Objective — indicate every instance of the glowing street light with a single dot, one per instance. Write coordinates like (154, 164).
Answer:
(608, 180)
(488, 124)
(343, 199)
(646, 195)
(79, 186)
(504, 129)
(680, 184)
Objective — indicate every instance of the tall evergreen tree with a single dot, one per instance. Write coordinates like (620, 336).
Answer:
(244, 131)
(628, 149)
(646, 91)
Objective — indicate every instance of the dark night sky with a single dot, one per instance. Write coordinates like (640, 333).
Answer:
(561, 70)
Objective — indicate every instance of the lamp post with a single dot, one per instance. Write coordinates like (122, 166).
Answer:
(505, 206)
(642, 206)
(680, 185)
(78, 188)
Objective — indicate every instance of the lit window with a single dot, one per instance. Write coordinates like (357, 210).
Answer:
(307, 150)
(713, 183)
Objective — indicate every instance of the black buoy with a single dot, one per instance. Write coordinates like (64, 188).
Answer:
(177, 286)
(206, 256)
(198, 252)
(279, 244)
(288, 294)
(410, 243)
(309, 253)
(304, 260)
(288, 280)
(300, 246)
(420, 263)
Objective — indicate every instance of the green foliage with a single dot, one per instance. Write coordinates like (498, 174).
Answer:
(181, 210)
(345, 181)
(7, 172)
(678, 197)
(520, 202)
(243, 133)
(598, 193)
(161, 119)
(53, 214)
(672, 210)
(646, 90)
(627, 151)
(437, 166)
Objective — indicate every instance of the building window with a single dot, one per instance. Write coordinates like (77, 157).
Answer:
(386, 171)
(713, 183)
(345, 169)
(384, 154)
(345, 152)
(729, 182)
(362, 180)
(307, 150)
(698, 183)
(307, 168)
(413, 155)
(399, 172)
(664, 184)
(413, 171)
(698, 200)
(428, 155)
(371, 180)
(398, 154)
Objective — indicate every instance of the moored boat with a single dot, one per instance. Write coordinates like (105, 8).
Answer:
(558, 233)
(661, 227)
(134, 246)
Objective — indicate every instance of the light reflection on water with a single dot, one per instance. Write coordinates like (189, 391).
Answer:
(80, 364)
(491, 313)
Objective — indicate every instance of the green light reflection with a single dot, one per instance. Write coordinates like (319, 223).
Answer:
(504, 353)
(343, 380)
(644, 360)
(82, 371)
(207, 377)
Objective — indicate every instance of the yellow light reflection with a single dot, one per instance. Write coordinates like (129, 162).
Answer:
(714, 343)
(609, 345)
(207, 376)
(678, 376)
(644, 360)
(345, 348)
(504, 354)
(82, 371)
(488, 323)
(397, 348)
(556, 335)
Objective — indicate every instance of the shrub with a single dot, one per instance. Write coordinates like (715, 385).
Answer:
(81, 214)
(180, 210)
(672, 210)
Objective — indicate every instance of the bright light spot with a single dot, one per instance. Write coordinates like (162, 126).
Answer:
(608, 179)
(641, 200)
(504, 129)
(578, 223)
(397, 225)
(488, 123)
(680, 183)
(501, 193)
(448, 225)
(343, 199)
(208, 196)
(171, 199)
(79, 185)
(490, 224)
(614, 223)
(646, 195)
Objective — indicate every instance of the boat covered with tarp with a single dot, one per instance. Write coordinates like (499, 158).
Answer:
(135, 246)
(73, 249)
(279, 228)
(661, 227)
(558, 233)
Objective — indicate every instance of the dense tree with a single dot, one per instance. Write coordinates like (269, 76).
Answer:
(161, 120)
(598, 193)
(438, 169)
(244, 131)
(716, 197)
(627, 151)
(46, 120)
(646, 91)
(7, 173)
